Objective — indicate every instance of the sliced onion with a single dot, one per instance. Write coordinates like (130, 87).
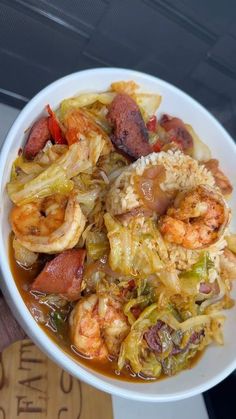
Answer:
(23, 256)
(201, 151)
(149, 189)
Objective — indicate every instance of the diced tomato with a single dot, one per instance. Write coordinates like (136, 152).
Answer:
(54, 127)
(156, 147)
(152, 124)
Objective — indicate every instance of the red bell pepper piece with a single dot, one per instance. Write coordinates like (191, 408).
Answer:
(152, 124)
(156, 147)
(54, 127)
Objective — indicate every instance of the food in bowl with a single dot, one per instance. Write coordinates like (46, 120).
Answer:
(120, 241)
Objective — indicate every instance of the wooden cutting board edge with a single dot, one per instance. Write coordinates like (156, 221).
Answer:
(32, 386)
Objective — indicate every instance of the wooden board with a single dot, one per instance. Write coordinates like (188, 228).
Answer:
(32, 386)
(10, 331)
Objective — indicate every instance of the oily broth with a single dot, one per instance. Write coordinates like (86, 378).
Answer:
(24, 278)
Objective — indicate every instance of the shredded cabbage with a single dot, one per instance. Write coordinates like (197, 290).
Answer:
(132, 344)
(190, 280)
(55, 179)
(132, 303)
(133, 347)
(97, 244)
(85, 99)
(96, 145)
(201, 151)
(88, 199)
(148, 104)
(125, 244)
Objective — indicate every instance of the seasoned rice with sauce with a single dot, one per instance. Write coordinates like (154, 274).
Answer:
(182, 173)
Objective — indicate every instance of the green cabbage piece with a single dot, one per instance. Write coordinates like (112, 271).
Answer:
(54, 179)
(148, 104)
(97, 244)
(190, 280)
(132, 346)
(143, 299)
(88, 200)
(85, 99)
(151, 367)
(175, 363)
(132, 252)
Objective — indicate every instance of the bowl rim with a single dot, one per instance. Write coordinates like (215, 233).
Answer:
(14, 299)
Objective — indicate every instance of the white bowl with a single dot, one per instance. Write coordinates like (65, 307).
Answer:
(217, 362)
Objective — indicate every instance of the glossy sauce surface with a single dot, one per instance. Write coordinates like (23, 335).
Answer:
(24, 278)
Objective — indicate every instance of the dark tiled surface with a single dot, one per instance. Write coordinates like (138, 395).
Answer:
(220, 400)
(189, 43)
(215, 16)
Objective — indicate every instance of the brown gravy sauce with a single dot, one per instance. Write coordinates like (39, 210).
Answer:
(23, 278)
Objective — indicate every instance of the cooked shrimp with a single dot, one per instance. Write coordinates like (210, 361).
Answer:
(48, 225)
(85, 328)
(98, 326)
(197, 222)
(113, 322)
(78, 122)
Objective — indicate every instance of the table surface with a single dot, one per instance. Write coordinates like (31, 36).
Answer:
(10, 331)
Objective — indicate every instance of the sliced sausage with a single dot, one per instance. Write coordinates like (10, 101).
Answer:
(177, 132)
(221, 180)
(129, 130)
(38, 136)
(62, 275)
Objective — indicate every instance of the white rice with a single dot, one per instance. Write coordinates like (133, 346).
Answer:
(182, 172)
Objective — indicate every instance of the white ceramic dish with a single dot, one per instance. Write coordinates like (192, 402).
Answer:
(217, 362)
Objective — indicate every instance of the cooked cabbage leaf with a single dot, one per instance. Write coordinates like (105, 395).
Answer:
(55, 179)
(201, 151)
(85, 99)
(134, 348)
(148, 104)
(190, 280)
(132, 252)
(132, 345)
(142, 299)
(97, 244)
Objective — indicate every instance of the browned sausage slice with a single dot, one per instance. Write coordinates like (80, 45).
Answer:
(62, 275)
(130, 134)
(177, 132)
(38, 136)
